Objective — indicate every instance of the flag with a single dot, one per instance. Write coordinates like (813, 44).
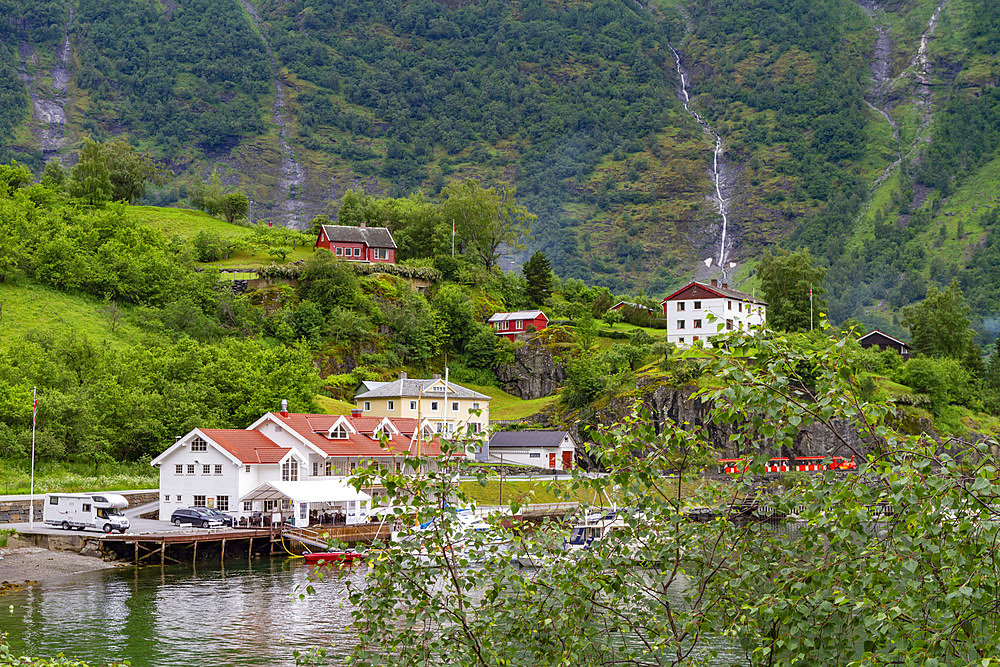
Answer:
(34, 412)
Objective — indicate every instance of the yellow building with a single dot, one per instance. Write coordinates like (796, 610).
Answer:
(449, 407)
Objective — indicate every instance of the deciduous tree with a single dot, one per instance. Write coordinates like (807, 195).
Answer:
(786, 281)
(487, 219)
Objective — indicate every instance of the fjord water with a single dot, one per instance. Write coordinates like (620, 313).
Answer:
(237, 615)
(180, 616)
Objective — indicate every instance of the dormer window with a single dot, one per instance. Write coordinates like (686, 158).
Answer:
(338, 433)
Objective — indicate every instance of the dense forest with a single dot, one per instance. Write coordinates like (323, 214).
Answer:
(877, 154)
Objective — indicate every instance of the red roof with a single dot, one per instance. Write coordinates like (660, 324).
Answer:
(247, 446)
(314, 428)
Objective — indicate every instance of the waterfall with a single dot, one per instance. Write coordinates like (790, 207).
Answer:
(720, 198)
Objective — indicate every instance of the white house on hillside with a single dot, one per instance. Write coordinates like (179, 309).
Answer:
(688, 312)
(220, 467)
(449, 408)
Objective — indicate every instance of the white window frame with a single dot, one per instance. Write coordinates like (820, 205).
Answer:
(518, 324)
(340, 251)
(435, 406)
(222, 503)
(357, 252)
(413, 405)
(315, 468)
(248, 506)
(190, 468)
(218, 469)
(206, 468)
(339, 433)
(368, 406)
(454, 406)
(391, 405)
(680, 306)
(290, 470)
(199, 501)
(179, 469)
(380, 253)
(697, 324)
(680, 324)
(697, 305)
(199, 445)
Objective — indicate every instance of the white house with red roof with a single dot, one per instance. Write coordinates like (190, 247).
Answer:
(699, 311)
(220, 467)
(511, 324)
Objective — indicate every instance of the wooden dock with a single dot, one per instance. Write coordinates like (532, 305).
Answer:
(190, 546)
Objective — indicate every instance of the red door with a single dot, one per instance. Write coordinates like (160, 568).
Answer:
(567, 460)
(552, 460)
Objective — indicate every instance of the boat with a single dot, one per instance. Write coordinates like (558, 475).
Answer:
(348, 556)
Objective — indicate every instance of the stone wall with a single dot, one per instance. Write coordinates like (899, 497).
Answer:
(16, 511)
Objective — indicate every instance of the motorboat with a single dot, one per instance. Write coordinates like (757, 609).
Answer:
(345, 556)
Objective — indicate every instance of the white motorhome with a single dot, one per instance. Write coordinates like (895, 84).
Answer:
(86, 510)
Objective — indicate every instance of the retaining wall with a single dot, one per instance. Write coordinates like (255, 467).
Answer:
(15, 510)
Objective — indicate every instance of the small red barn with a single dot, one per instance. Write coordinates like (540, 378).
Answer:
(511, 324)
(358, 244)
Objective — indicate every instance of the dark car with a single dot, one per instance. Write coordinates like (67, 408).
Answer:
(195, 516)
(226, 519)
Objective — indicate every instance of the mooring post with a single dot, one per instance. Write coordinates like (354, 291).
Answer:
(222, 556)
(136, 544)
(194, 555)
(163, 551)
(250, 550)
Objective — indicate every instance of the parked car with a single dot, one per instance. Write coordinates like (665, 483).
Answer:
(195, 516)
(227, 519)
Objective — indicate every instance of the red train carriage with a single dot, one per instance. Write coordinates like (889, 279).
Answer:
(785, 464)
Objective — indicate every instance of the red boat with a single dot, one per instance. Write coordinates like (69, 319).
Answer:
(333, 557)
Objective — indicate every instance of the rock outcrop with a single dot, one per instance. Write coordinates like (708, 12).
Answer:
(535, 371)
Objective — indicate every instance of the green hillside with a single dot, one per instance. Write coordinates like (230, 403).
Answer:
(832, 137)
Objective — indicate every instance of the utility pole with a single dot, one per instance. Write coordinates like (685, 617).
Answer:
(31, 491)
(251, 210)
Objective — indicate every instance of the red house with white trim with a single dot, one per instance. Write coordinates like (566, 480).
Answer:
(511, 324)
(358, 244)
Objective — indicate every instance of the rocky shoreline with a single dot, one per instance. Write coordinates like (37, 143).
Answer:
(23, 565)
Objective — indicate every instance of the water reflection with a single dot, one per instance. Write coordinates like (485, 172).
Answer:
(182, 616)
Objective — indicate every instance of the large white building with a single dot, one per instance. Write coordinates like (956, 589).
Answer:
(698, 311)
(219, 467)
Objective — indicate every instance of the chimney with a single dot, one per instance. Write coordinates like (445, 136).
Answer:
(436, 376)
(284, 407)
(361, 224)
(725, 285)
(402, 375)
(715, 283)
(356, 412)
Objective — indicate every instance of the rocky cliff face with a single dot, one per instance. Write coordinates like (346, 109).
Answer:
(671, 404)
(534, 373)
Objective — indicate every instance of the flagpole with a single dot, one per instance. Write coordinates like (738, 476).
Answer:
(31, 492)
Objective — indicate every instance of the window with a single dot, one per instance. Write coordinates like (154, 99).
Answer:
(166, 498)
(199, 501)
(680, 306)
(290, 471)
(534, 455)
(729, 305)
(519, 324)
(681, 339)
(680, 324)
(199, 445)
(248, 468)
(695, 339)
(357, 252)
(399, 466)
(368, 406)
(53, 500)
(477, 427)
(222, 503)
(391, 405)
(697, 305)
(270, 505)
(339, 433)
(179, 499)
(178, 469)
(339, 252)
(329, 468)
(353, 466)
(454, 406)
(86, 507)
(218, 468)
(729, 324)
(247, 506)
(380, 253)
(413, 405)
(206, 469)
(502, 326)
(739, 307)
(190, 469)
(475, 406)
(435, 406)
(315, 468)
(697, 324)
